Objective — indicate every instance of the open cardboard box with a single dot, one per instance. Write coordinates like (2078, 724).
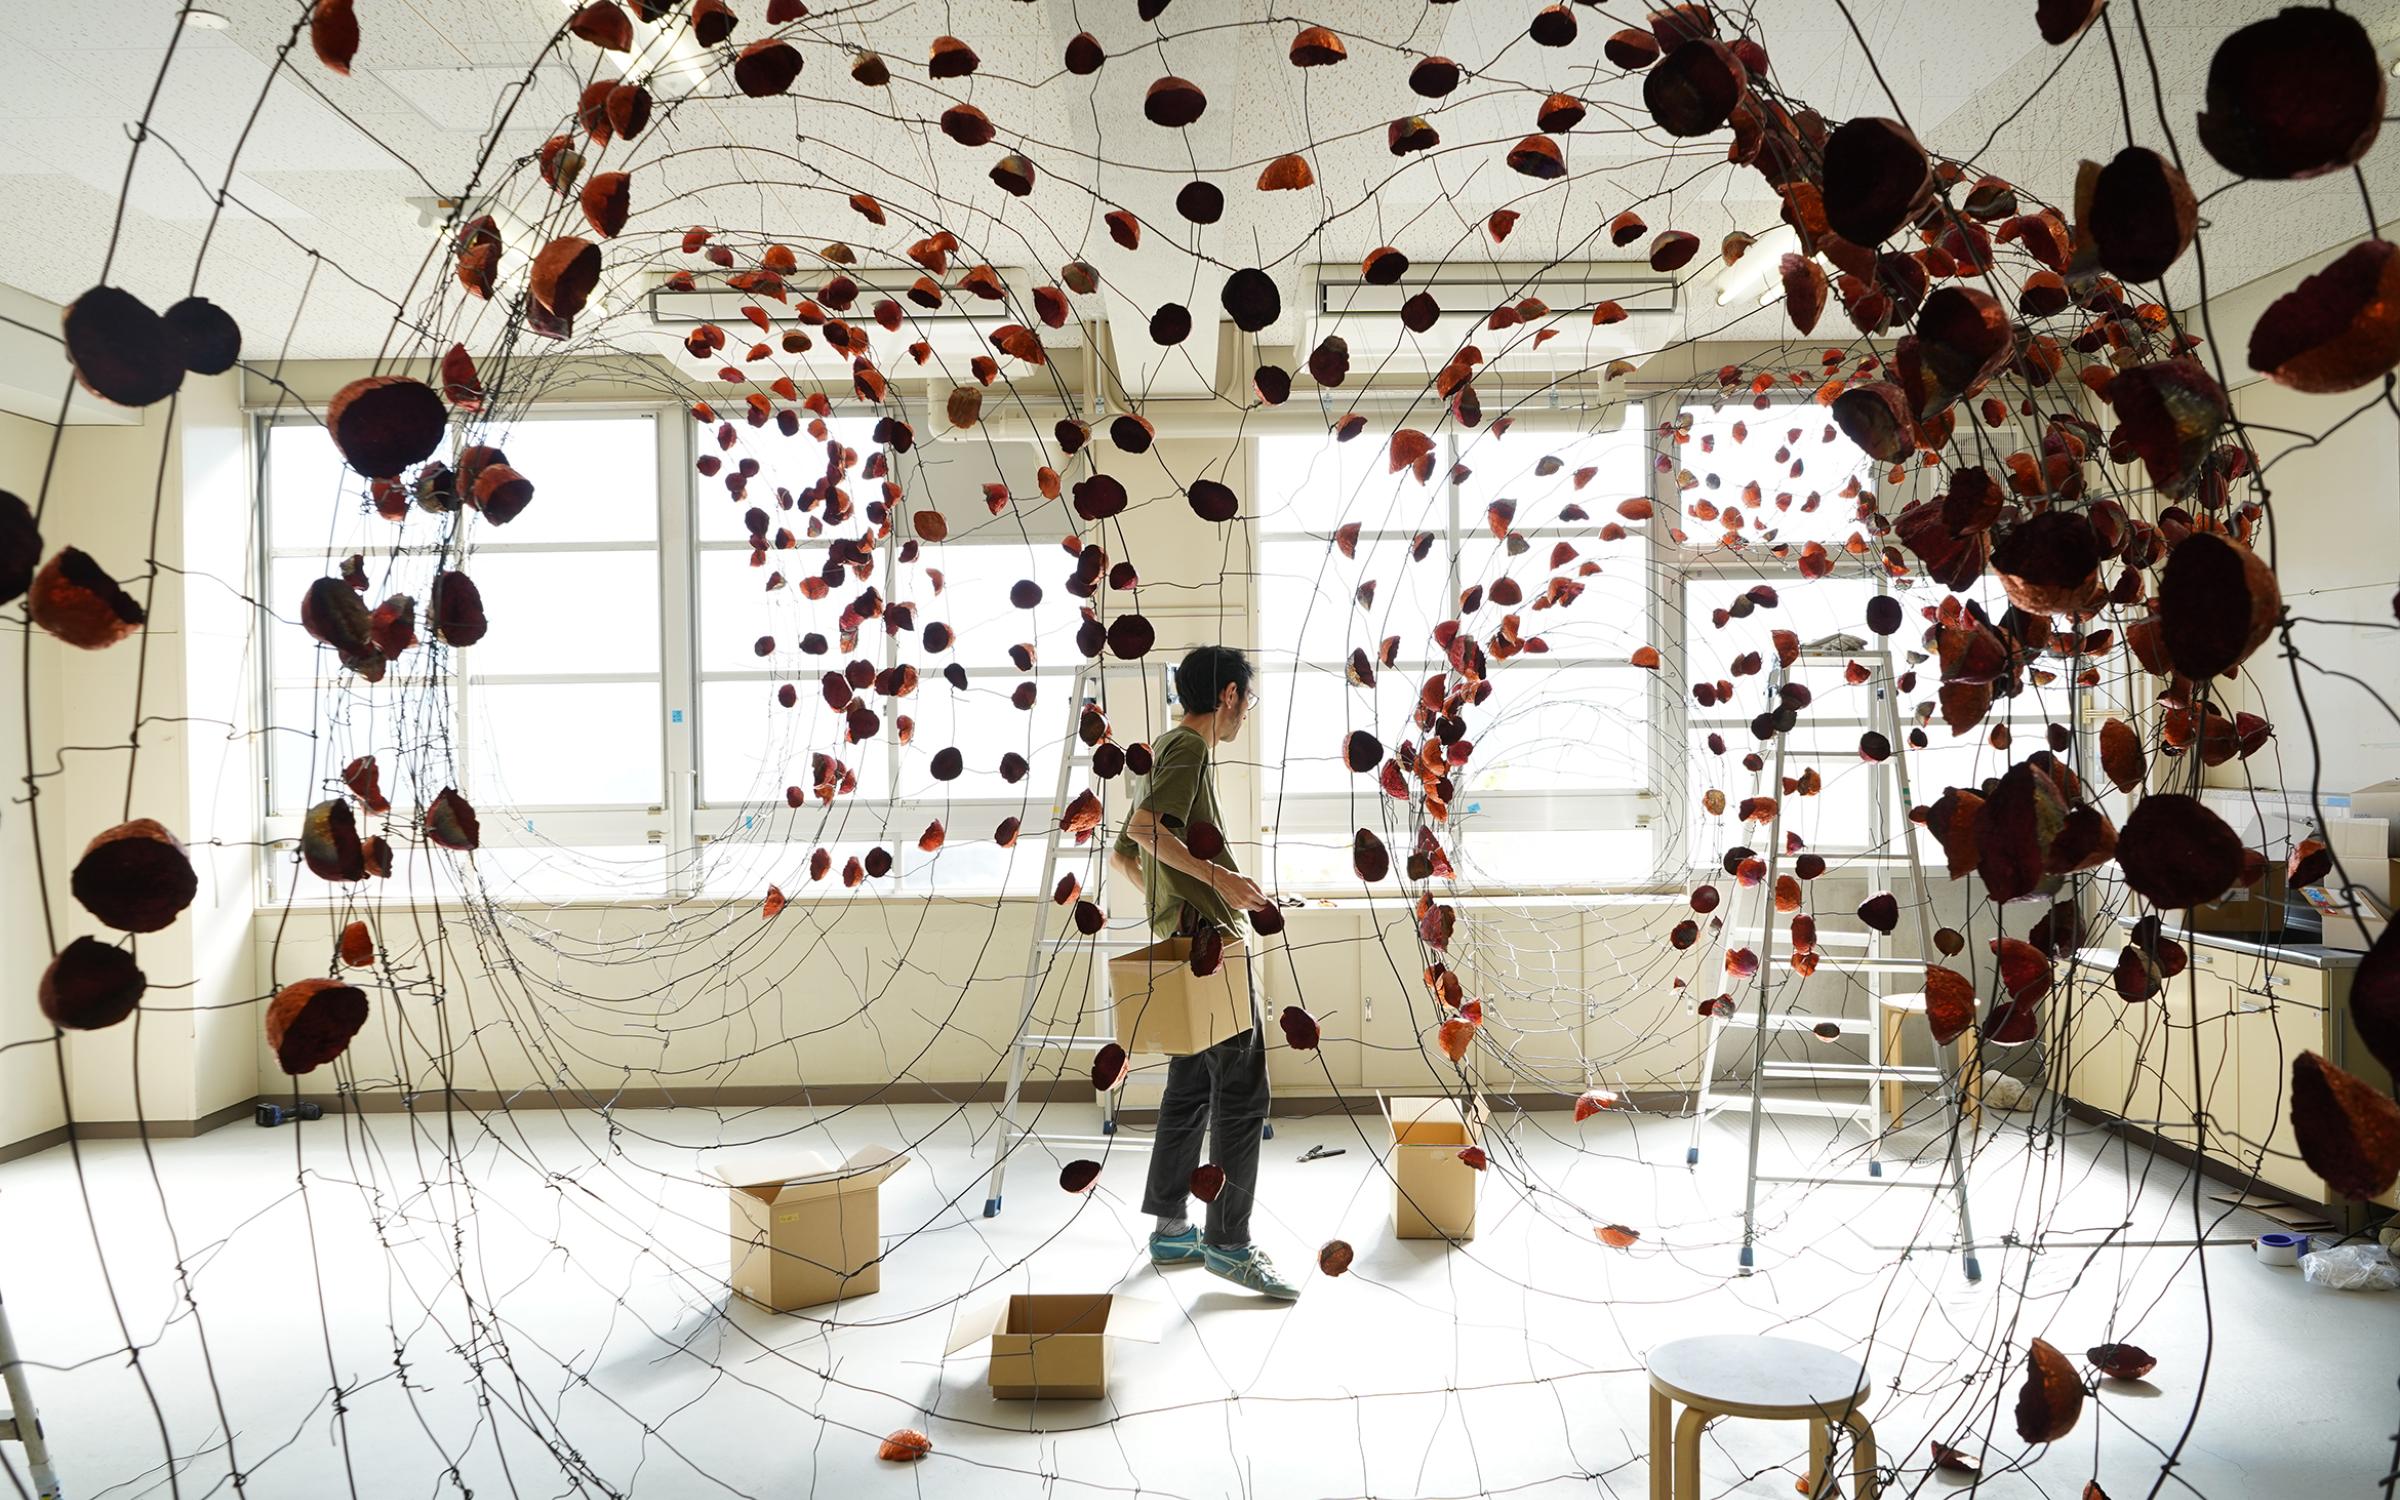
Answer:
(2360, 846)
(807, 1229)
(2244, 909)
(1162, 1007)
(1054, 1344)
(1433, 1192)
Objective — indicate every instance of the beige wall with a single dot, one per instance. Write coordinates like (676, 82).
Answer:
(2336, 543)
(855, 993)
(29, 1101)
(190, 773)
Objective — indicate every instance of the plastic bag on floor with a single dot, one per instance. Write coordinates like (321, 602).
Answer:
(2352, 1268)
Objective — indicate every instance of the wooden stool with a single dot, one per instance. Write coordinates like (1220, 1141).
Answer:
(1775, 1380)
(1896, 1009)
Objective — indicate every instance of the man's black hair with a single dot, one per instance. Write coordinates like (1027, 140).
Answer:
(1201, 676)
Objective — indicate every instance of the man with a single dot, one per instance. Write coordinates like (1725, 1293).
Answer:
(1224, 1089)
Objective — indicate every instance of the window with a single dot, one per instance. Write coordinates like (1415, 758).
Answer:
(1779, 476)
(555, 715)
(754, 753)
(1559, 790)
(621, 708)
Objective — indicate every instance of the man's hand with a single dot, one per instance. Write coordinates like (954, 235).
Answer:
(1237, 888)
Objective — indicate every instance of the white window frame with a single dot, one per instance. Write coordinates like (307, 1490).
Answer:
(894, 821)
(658, 826)
(1333, 815)
(1756, 565)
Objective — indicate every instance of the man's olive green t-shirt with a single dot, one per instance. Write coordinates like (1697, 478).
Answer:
(1179, 791)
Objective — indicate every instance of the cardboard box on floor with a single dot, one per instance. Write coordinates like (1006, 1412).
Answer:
(1053, 1345)
(1433, 1192)
(1162, 1007)
(807, 1229)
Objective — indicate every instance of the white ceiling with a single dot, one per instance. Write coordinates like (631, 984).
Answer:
(323, 250)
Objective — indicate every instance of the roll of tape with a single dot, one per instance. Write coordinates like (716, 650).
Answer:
(2279, 1249)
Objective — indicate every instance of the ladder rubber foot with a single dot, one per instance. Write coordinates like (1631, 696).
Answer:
(1108, 1127)
(1748, 1264)
(1691, 1156)
(1268, 1131)
(1974, 1271)
(991, 1208)
(1874, 1169)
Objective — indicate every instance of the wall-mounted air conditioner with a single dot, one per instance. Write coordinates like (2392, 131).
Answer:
(959, 328)
(1369, 317)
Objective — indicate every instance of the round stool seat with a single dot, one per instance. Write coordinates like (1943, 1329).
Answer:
(1741, 1375)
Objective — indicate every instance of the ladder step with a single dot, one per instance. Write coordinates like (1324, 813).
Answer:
(1078, 940)
(1797, 1021)
(1864, 964)
(1810, 1180)
(1775, 1106)
(1060, 1040)
(1127, 1142)
(1855, 1072)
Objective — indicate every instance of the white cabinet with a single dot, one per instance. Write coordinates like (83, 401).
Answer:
(2242, 1018)
(1313, 963)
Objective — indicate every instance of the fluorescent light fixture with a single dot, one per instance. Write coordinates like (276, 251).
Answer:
(516, 236)
(1755, 271)
(670, 59)
(205, 20)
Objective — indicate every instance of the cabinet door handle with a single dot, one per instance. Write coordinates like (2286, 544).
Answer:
(2252, 1008)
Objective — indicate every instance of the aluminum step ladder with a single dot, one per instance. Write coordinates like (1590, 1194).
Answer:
(1054, 934)
(1061, 852)
(20, 1423)
(1891, 845)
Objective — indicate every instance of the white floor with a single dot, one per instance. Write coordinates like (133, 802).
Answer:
(551, 1321)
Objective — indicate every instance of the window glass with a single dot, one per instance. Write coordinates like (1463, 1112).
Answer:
(1770, 476)
(319, 504)
(976, 603)
(788, 464)
(1560, 729)
(579, 744)
(572, 591)
(738, 606)
(1317, 485)
(558, 612)
(1542, 468)
(985, 725)
(752, 747)
(595, 479)
(1555, 789)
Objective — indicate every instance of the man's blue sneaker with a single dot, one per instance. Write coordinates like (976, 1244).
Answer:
(1249, 1267)
(1171, 1249)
